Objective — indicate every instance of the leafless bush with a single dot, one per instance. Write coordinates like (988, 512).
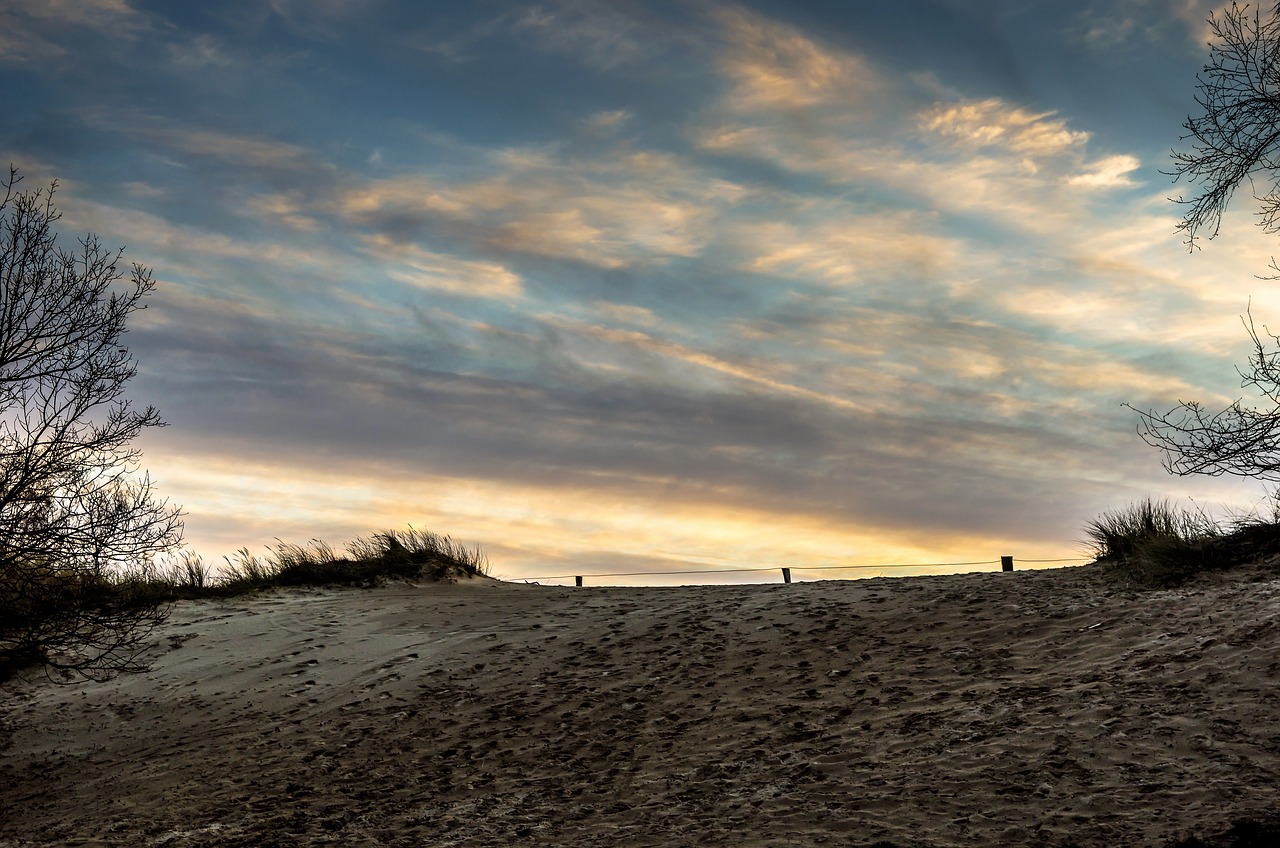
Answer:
(74, 511)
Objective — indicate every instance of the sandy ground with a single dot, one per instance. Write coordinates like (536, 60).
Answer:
(1037, 708)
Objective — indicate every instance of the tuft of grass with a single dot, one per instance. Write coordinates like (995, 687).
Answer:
(436, 556)
(1124, 533)
(1156, 544)
(1153, 543)
(390, 555)
(189, 573)
(140, 595)
(246, 573)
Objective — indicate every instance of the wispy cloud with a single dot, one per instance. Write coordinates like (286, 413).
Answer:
(1108, 172)
(977, 155)
(202, 53)
(1115, 24)
(189, 250)
(1195, 14)
(607, 122)
(287, 209)
(35, 30)
(324, 19)
(625, 313)
(599, 34)
(613, 209)
(441, 272)
(774, 66)
(185, 141)
(1028, 170)
(993, 123)
(230, 147)
(835, 244)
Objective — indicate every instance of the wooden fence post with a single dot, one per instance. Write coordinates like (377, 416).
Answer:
(786, 575)
(1006, 563)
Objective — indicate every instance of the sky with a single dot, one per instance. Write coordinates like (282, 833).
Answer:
(647, 286)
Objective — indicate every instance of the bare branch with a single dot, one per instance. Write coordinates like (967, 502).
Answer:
(1237, 136)
(74, 514)
(1238, 440)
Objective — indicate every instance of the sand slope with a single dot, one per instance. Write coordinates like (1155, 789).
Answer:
(1036, 708)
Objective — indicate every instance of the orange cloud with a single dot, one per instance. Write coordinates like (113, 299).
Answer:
(427, 269)
(613, 210)
(992, 122)
(774, 66)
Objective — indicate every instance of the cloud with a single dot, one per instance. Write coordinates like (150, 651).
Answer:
(993, 123)
(604, 36)
(201, 254)
(441, 272)
(1108, 32)
(230, 147)
(585, 413)
(774, 66)
(1029, 170)
(38, 30)
(851, 307)
(185, 142)
(863, 337)
(631, 346)
(612, 210)
(1195, 14)
(604, 123)
(711, 447)
(1108, 172)
(324, 19)
(623, 313)
(835, 244)
(202, 53)
(1115, 24)
(285, 209)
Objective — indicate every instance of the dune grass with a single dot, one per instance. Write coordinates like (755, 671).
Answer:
(391, 554)
(1157, 544)
(1154, 542)
(111, 611)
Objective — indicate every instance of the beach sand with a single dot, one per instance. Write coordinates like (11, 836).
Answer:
(1040, 708)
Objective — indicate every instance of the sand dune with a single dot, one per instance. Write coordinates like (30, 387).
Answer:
(1037, 708)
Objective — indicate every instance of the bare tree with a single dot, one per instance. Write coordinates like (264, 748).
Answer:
(1238, 440)
(76, 517)
(1235, 138)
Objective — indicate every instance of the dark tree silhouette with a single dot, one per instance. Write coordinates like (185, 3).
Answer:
(76, 517)
(1236, 138)
(1239, 440)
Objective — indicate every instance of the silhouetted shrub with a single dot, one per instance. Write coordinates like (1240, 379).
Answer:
(74, 512)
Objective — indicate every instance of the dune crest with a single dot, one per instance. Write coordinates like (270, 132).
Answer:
(1034, 708)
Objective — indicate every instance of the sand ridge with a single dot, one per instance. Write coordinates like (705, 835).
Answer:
(1033, 708)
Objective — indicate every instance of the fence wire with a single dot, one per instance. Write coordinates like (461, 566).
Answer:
(800, 568)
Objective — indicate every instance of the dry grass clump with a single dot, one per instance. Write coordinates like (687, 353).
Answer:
(411, 554)
(78, 604)
(1156, 544)
(392, 554)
